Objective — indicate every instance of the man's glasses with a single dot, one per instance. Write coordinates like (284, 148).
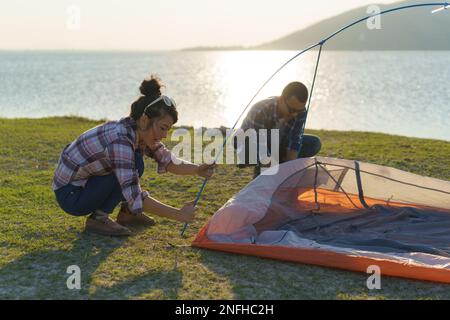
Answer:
(169, 102)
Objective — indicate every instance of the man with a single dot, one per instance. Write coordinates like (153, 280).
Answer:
(287, 113)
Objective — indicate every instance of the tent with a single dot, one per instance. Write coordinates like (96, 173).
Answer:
(339, 213)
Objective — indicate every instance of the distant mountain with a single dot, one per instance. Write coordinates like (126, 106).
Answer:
(410, 29)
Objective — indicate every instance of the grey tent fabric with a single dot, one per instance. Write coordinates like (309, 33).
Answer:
(380, 229)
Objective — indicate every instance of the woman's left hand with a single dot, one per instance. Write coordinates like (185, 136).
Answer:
(206, 170)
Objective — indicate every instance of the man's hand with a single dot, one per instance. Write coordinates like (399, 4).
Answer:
(291, 155)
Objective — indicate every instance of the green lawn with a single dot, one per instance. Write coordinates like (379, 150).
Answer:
(38, 241)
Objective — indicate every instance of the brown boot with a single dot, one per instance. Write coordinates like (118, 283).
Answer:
(126, 218)
(106, 226)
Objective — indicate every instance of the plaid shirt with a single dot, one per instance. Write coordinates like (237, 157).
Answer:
(108, 148)
(263, 115)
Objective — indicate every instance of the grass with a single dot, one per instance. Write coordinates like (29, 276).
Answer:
(38, 241)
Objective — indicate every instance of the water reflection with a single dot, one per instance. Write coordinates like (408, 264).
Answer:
(402, 93)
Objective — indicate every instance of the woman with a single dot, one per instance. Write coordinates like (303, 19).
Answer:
(102, 167)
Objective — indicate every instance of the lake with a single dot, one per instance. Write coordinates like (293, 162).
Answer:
(396, 92)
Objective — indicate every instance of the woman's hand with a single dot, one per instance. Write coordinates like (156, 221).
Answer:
(206, 170)
(187, 212)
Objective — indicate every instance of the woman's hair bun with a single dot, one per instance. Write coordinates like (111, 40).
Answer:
(151, 87)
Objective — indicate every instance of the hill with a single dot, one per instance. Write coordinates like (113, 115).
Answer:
(409, 29)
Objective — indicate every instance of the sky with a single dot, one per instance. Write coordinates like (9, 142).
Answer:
(157, 25)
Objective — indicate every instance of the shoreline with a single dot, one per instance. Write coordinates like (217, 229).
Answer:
(222, 128)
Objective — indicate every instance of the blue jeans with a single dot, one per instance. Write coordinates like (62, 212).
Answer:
(311, 146)
(100, 193)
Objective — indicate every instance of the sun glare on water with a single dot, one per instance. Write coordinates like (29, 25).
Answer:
(242, 73)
